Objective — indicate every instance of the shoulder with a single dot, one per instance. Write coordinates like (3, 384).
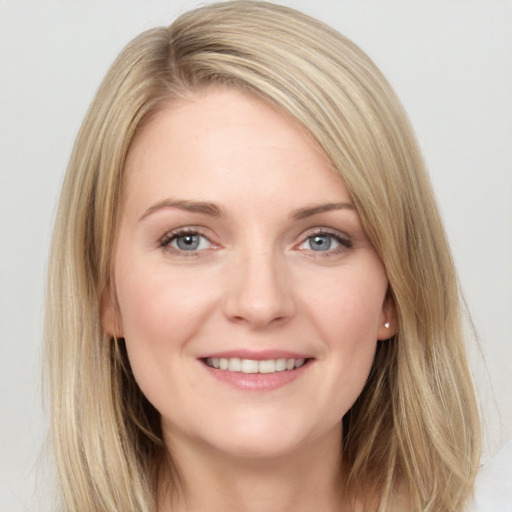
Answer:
(493, 487)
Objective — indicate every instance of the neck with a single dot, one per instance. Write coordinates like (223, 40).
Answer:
(303, 481)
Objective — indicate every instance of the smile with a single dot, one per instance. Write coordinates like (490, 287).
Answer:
(235, 364)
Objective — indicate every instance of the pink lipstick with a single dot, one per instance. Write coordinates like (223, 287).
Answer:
(256, 370)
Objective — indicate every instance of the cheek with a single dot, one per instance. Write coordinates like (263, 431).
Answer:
(160, 312)
(348, 313)
(156, 300)
(348, 306)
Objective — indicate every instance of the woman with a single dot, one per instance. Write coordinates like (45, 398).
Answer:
(252, 304)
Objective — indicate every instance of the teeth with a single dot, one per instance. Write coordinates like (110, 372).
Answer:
(280, 365)
(234, 364)
(249, 366)
(267, 366)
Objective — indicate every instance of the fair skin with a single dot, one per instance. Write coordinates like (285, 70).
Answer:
(238, 242)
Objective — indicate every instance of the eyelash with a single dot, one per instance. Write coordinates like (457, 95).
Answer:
(166, 241)
(343, 241)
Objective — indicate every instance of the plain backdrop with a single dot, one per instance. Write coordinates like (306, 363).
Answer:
(451, 64)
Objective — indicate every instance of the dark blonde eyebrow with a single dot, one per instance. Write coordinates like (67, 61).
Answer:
(189, 206)
(303, 213)
(214, 211)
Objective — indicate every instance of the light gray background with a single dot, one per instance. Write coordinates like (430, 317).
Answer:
(450, 62)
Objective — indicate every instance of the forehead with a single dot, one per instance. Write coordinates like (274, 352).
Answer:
(222, 142)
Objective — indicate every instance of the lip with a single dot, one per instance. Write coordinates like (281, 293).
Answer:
(257, 381)
(257, 355)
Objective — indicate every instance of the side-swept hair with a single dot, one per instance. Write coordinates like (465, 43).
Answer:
(415, 428)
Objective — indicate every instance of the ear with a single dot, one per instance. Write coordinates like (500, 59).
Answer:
(110, 315)
(389, 319)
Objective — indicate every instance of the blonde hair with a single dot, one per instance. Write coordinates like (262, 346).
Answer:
(414, 429)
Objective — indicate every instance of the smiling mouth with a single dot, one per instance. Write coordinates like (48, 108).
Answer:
(235, 364)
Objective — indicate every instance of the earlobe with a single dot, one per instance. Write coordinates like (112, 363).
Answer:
(110, 316)
(389, 321)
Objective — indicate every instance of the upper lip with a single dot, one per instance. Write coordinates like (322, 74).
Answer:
(257, 355)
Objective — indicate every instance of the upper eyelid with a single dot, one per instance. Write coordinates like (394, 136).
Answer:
(323, 230)
(175, 233)
(194, 230)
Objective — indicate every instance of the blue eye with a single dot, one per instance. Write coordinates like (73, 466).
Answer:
(321, 242)
(185, 242)
(326, 242)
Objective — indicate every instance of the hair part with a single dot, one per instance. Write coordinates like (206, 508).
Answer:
(414, 429)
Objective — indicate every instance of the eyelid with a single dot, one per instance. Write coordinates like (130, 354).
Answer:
(342, 238)
(165, 241)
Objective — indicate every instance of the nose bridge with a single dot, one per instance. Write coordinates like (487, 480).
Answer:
(260, 291)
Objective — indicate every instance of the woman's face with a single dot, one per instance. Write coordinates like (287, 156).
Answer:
(248, 294)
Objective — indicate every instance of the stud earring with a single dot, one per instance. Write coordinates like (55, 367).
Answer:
(386, 325)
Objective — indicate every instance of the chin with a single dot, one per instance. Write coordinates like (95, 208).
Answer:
(261, 438)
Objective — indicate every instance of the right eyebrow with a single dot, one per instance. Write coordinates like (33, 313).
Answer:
(183, 204)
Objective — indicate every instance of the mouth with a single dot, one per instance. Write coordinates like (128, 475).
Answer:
(261, 370)
(252, 366)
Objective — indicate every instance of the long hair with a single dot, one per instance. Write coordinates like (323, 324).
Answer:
(414, 429)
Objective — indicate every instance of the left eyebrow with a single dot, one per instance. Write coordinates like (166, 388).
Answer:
(303, 213)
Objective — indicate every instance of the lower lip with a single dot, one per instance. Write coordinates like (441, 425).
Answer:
(257, 381)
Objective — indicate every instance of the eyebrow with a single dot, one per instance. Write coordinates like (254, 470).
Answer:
(189, 206)
(303, 213)
(214, 211)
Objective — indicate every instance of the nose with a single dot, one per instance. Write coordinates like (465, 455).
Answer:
(259, 291)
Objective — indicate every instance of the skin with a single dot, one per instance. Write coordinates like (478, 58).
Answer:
(254, 283)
